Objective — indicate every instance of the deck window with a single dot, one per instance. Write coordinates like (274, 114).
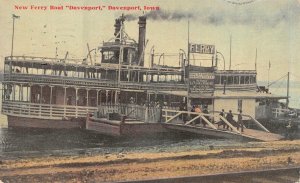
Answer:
(217, 79)
(247, 79)
(230, 80)
(242, 79)
(252, 79)
(223, 78)
(236, 80)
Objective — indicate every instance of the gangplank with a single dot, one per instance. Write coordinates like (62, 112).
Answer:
(207, 124)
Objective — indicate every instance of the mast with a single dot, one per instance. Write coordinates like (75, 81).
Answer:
(188, 68)
(256, 59)
(230, 55)
(269, 74)
(288, 90)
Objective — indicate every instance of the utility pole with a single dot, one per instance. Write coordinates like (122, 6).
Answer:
(13, 34)
(230, 55)
(288, 90)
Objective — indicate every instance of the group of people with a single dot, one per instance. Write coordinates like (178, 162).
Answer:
(229, 117)
(196, 108)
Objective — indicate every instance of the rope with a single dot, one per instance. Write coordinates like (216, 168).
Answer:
(277, 80)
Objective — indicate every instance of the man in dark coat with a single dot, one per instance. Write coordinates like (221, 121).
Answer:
(229, 118)
(240, 122)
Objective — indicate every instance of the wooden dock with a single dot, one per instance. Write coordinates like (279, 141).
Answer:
(173, 122)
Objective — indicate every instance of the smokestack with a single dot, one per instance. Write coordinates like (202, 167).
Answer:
(142, 39)
(117, 29)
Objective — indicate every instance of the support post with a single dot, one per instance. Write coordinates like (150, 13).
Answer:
(100, 97)
(65, 95)
(111, 96)
(116, 96)
(21, 90)
(97, 97)
(76, 102)
(30, 93)
(41, 98)
(106, 95)
(76, 96)
(27, 95)
(87, 97)
(51, 91)
(14, 94)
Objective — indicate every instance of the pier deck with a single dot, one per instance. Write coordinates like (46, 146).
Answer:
(247, 134)
(173, 122)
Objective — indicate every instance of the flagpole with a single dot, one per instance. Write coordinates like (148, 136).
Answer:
(12, 39)
(188, 69)
(269, 74)
(230, 54)
(256, 59)
(13, 34)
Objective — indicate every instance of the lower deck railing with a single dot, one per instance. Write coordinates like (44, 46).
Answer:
(138, 112)
(44, 111)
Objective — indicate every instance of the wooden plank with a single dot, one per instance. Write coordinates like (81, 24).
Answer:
(248, 133)
(261, 135)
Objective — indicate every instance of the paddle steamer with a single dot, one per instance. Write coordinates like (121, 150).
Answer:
(59, 93)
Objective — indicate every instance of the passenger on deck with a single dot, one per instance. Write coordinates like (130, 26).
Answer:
(182, 107)
(229, 118)
(240, 122)
(193, 109)
(198, 110)
(221, 122)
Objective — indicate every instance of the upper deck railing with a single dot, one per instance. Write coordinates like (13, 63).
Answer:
(43, 59)
(91, 82)
(79, 63)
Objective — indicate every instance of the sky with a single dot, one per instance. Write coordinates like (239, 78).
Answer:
(270, 26)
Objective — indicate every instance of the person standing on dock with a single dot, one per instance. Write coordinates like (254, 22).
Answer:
(222, 122)
(182, 108)
(198, 110)
(229, 118)
(240, 122)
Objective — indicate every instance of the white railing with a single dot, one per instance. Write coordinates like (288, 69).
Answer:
(44, 111)
(51, 79)
(209, 119)
(41, 59)
(279, 112)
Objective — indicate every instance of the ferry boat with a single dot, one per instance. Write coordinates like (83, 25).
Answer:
(60, 93)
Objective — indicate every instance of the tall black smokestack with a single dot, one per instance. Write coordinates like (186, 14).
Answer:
(142, 39)
(117, 29)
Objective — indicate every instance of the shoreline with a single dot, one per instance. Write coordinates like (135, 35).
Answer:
(152, 165)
